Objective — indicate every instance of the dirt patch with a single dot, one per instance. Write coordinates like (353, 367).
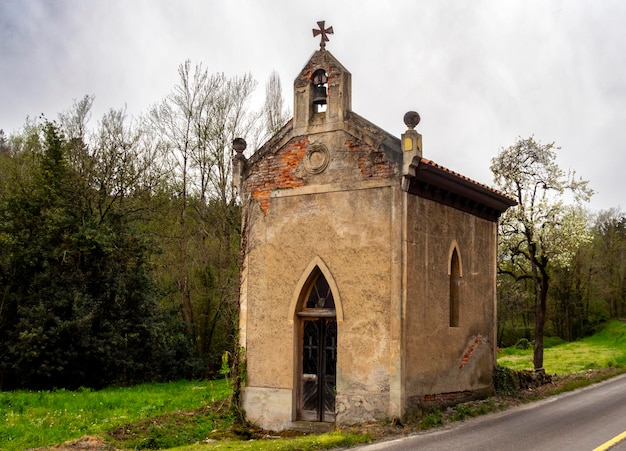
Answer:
(88, 442)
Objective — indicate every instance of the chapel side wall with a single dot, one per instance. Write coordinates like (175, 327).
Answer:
(350, 232)
(447, 364)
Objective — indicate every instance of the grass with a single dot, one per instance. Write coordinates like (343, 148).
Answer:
(605, 349)
(36, 419)
(195, 416)
(149, 416)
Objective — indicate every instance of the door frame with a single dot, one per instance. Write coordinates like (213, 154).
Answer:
(296, 316)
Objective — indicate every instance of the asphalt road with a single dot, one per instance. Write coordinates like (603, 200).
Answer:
(585, 419)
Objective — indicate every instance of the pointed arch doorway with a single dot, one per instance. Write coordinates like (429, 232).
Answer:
(317, 362)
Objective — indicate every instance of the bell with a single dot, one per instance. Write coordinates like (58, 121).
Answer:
(319, 95)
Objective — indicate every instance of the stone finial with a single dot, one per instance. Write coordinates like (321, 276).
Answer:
(239, 144)
(411, 119)
(411, 147)
(239, 161)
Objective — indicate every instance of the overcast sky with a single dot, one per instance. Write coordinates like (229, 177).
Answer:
(480, 73)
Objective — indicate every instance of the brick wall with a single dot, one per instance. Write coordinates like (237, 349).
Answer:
(277, 171)
(372, 163)
(429, 402)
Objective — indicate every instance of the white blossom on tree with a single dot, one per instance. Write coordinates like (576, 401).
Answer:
(543, 230)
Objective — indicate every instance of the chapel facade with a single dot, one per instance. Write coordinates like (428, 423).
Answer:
(368, 281)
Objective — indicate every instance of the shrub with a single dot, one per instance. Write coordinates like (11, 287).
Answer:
(505, 381)
(523, 343)
(462, 411)
(434, 418)
(550, 342)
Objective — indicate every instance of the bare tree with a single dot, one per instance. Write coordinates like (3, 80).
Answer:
(196, 125)
(74, 122)
(275, 114)
(223, 117)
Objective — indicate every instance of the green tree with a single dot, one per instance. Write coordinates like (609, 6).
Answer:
(79, 306)
(574, 313)
(515, 310)
(609, 264)
(542, 231)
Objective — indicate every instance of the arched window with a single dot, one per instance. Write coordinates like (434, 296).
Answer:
(455, 288)
(321, 296)
(314, 284)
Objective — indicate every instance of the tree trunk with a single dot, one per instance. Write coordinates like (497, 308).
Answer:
(540, 319)
(541, 293)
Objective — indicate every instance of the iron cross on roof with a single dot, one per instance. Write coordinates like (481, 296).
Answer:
(324, 32)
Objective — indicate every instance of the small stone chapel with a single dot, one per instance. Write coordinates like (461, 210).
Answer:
(368, 283)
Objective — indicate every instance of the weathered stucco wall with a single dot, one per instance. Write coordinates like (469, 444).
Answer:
(341, 214)
(442, 361)
(356, 249)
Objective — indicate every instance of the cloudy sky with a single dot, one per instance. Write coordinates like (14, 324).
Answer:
(480, 73)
